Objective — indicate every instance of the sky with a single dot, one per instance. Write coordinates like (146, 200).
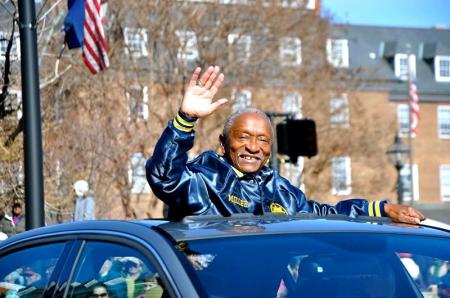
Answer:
(396, 13)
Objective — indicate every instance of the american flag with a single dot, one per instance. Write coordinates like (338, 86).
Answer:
(84, 28)
(415, 110)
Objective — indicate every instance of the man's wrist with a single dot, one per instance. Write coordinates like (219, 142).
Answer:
(184, 122)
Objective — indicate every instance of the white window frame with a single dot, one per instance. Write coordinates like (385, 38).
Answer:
(141, 103)
(347, 174)
(444, 178)
(405, 176)
(437, 68)
(290, 51)
(401, 69)
(443, 122)
(403, 120)
(188, 50)
(292, 103)
(338, 52)
(15, 50)
(237, 41)
(136, 42)
(310, 4)
(136, 174)
(339, 111)
(241, 99)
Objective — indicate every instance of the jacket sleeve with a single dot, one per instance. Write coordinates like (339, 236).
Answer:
(166, 170)
(351, 207)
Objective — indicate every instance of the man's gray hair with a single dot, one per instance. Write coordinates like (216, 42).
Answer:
(230, 120)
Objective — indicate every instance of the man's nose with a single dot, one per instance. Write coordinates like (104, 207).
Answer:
(252, 145)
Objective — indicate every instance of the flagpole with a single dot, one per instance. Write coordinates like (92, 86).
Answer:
(410, 138)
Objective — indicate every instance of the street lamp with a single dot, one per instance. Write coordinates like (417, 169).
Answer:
(398, 152)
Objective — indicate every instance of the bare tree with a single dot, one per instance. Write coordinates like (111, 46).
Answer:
(93, 126)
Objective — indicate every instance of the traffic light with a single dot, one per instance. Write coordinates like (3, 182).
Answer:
(297, 137)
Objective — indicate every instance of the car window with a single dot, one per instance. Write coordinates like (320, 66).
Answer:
(26, 272)
(319, 265)
(107, 269)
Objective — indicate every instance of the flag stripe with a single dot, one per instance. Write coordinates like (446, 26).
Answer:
(94, 45)
(415, 110)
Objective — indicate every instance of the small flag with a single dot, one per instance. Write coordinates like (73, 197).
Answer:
(415, 110)
(84, 28)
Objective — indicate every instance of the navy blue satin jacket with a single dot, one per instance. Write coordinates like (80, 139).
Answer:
(209, 184)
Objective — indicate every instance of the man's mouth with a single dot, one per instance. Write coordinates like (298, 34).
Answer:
(250, 157)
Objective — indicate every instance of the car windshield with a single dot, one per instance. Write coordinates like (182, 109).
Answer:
(320, 265)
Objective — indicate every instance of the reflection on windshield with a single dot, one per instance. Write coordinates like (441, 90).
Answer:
(321, 265)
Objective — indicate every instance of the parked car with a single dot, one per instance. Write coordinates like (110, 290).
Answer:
(238, 256)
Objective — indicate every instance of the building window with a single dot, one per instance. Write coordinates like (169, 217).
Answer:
(15, 50)
(337, 52)
(136, 174)
(290, 51)
(405, 174)
(442, 68)
(137, 99)
(188, 50)
(402, 66)
(403, 120)
(445, 182)
(292, 103)
(308, 4)
(293, 172)
(241, 100)
(444, 122)
(136, 42)
(240, 46)
(339, 111)
(341, 176)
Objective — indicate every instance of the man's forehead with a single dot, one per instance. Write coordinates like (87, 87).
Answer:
(252, 117)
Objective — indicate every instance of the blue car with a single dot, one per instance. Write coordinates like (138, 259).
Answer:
(238, 256)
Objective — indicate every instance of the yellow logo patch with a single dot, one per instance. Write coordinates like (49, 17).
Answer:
(277, 208)
(238, 201)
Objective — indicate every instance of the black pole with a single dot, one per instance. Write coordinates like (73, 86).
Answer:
(34, 191)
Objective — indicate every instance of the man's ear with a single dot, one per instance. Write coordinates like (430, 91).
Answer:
(222, 143)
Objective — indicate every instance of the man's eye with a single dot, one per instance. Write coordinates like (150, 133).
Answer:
(264, 140)
(243, 137)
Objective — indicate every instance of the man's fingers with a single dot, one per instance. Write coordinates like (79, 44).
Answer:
(415, 213)
(194, 77)
(205, 76)
(212, 77)
(215, 87)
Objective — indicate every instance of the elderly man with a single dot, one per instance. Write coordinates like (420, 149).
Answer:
(239, 181)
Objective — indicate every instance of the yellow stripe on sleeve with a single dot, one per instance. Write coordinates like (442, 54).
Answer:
(370, 209)
(178, 126)
(377, 209)
(184, 122)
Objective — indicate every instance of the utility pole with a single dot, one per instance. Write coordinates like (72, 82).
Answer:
(34, 190)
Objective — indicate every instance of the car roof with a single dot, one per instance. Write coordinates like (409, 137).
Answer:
(207, 227)
(204, 227)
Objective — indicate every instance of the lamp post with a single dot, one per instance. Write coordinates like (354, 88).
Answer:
(398, 152)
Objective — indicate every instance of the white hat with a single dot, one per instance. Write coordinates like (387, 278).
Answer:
(81, 187)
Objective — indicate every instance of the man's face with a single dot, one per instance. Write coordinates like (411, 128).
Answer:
(249, 142)
(17, 210)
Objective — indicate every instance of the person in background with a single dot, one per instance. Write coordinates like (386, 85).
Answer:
(6, 225)
(239, 180)
(18, 217)
(84, 207)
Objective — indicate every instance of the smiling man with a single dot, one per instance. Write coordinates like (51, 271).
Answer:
(239, 180)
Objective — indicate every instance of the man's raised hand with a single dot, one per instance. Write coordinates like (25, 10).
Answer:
(200, 92)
